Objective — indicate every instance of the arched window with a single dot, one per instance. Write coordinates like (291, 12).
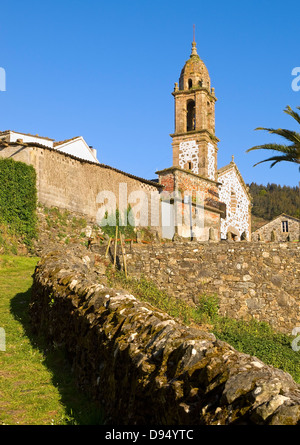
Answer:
(190, 83)
(191, 117)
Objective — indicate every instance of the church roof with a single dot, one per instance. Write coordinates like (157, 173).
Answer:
(189, 172)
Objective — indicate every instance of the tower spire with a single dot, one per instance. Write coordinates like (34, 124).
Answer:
(194, 49)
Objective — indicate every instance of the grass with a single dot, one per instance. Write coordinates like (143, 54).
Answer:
(250, 337)
(36, 383)
(145, 290)
(8, 240)
(259, 339)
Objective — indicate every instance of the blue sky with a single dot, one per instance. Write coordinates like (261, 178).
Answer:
(106, 70)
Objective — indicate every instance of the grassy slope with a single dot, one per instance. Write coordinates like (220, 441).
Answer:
(36, 385)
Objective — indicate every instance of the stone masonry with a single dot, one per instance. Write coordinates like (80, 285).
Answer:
(260, 280)
(144, 367)
(282, 228)
(70, 183)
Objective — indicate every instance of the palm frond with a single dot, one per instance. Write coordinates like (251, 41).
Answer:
(276, 159)
(290, 135)
(290, 153)
(276, 147)
(292, 113)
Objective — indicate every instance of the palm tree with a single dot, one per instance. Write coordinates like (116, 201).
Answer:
(290, 153)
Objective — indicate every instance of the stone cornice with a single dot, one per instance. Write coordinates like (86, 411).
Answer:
(192, 91)
(194, 132)
(188, 172)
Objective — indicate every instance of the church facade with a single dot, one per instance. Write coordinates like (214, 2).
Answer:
(206, 202)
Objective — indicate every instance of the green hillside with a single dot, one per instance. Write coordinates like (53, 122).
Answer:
(272, 200)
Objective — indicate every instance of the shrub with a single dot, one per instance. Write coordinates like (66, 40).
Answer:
(18, 198)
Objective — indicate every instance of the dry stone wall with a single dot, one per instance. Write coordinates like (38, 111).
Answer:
(142, 365)
(260, 280)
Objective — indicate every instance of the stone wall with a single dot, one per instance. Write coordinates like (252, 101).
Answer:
(260, 280)
(143, 366)
(70, 183)
(274, 230)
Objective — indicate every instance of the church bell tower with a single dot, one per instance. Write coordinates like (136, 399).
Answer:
(194, 141)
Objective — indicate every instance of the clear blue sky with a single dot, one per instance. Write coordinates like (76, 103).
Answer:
(105, 71)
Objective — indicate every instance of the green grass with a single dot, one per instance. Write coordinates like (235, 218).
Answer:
(36, 383)
(259, 339)
(253, 337)
(145, 290)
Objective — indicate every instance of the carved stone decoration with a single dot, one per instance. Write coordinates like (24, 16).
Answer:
(188, 152)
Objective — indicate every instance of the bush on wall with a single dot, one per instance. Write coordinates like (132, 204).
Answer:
(18, 198)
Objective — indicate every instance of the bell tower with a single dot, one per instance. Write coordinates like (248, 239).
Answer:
(194, 141)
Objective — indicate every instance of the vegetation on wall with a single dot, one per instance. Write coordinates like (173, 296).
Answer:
(271, 200)
(250, 337)
(18, 199)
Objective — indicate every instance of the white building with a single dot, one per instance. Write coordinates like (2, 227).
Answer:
(75, 146)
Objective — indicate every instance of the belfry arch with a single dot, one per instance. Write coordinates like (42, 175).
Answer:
(190, 115)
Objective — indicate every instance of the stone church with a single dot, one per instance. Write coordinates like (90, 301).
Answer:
(192, 198)
(219, 196)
